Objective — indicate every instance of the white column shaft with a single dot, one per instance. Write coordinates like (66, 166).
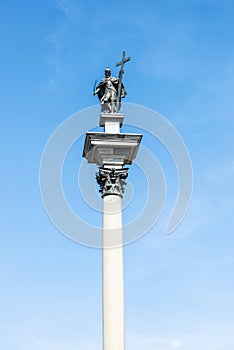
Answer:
(113, 275)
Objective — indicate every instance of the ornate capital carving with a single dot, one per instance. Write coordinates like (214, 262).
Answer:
(111, 181)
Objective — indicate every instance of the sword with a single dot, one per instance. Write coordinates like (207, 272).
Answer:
(94, 87)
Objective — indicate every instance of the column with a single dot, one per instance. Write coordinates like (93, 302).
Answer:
(111, 181)
(113, 275)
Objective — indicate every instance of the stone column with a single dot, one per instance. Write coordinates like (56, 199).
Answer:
(113, 275)
(111, 182)
(111, 151)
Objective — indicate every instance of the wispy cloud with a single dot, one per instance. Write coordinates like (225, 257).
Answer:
(70, 9)
(139, 341)
(209, 336)
(47, 344)
(220, 172)
(65, 345)
(51, 85)
(61, 56)
(170, 55)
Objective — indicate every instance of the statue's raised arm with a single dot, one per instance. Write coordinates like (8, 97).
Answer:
(111, 90)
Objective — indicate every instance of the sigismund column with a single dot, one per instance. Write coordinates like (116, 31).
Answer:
(111, 150)
(112, 187)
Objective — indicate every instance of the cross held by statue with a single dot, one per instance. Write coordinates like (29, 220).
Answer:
(121, 63)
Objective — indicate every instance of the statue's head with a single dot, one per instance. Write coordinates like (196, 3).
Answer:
(107, 72)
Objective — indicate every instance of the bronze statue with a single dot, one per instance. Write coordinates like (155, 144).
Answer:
(111, 90)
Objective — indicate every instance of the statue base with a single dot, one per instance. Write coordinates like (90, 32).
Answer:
(112, 122)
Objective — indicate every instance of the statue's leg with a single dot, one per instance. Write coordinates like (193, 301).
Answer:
(104, 107)
(108, 99)
(113, 102)
(110, 107)
(116, 105)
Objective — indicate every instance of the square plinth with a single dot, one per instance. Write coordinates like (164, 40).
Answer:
(111, 149)
(111, 118)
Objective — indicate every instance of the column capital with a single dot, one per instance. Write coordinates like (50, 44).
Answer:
(111, 181)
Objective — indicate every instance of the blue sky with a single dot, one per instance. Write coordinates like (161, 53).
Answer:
(179, 288)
